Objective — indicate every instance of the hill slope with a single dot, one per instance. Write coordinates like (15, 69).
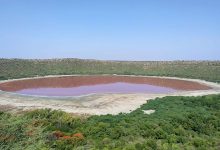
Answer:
(18, 68)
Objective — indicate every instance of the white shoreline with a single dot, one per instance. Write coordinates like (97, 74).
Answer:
(95, 104)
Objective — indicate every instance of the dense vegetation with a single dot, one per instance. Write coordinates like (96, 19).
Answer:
(18, 68)
(178, 123)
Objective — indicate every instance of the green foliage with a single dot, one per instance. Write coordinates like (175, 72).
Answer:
(3, 78)
(178, 123)
(18, 68)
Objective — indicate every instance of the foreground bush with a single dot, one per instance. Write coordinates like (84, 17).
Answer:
(178, 123)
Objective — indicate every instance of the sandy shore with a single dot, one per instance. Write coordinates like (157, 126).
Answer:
(96, 103)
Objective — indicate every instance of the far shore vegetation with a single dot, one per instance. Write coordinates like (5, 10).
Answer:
(20, 68)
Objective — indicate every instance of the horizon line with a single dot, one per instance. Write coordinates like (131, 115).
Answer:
(92, 59)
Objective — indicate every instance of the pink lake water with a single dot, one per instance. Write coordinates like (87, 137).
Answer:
(117, 87)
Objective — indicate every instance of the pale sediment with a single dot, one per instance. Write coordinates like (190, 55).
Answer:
(97, 104)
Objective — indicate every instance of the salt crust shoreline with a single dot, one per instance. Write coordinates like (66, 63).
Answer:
(94, 104)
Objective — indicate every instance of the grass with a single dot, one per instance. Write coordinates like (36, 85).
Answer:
(18, 68)
(178, 123)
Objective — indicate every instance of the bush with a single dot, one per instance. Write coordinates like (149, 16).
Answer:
(178, 123)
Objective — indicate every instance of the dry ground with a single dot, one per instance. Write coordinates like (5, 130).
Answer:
(97, 104)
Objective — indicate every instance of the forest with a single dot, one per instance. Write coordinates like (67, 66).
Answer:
(177, 123)
(21, 68)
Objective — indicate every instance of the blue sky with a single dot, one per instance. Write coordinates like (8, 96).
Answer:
(110, 29)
